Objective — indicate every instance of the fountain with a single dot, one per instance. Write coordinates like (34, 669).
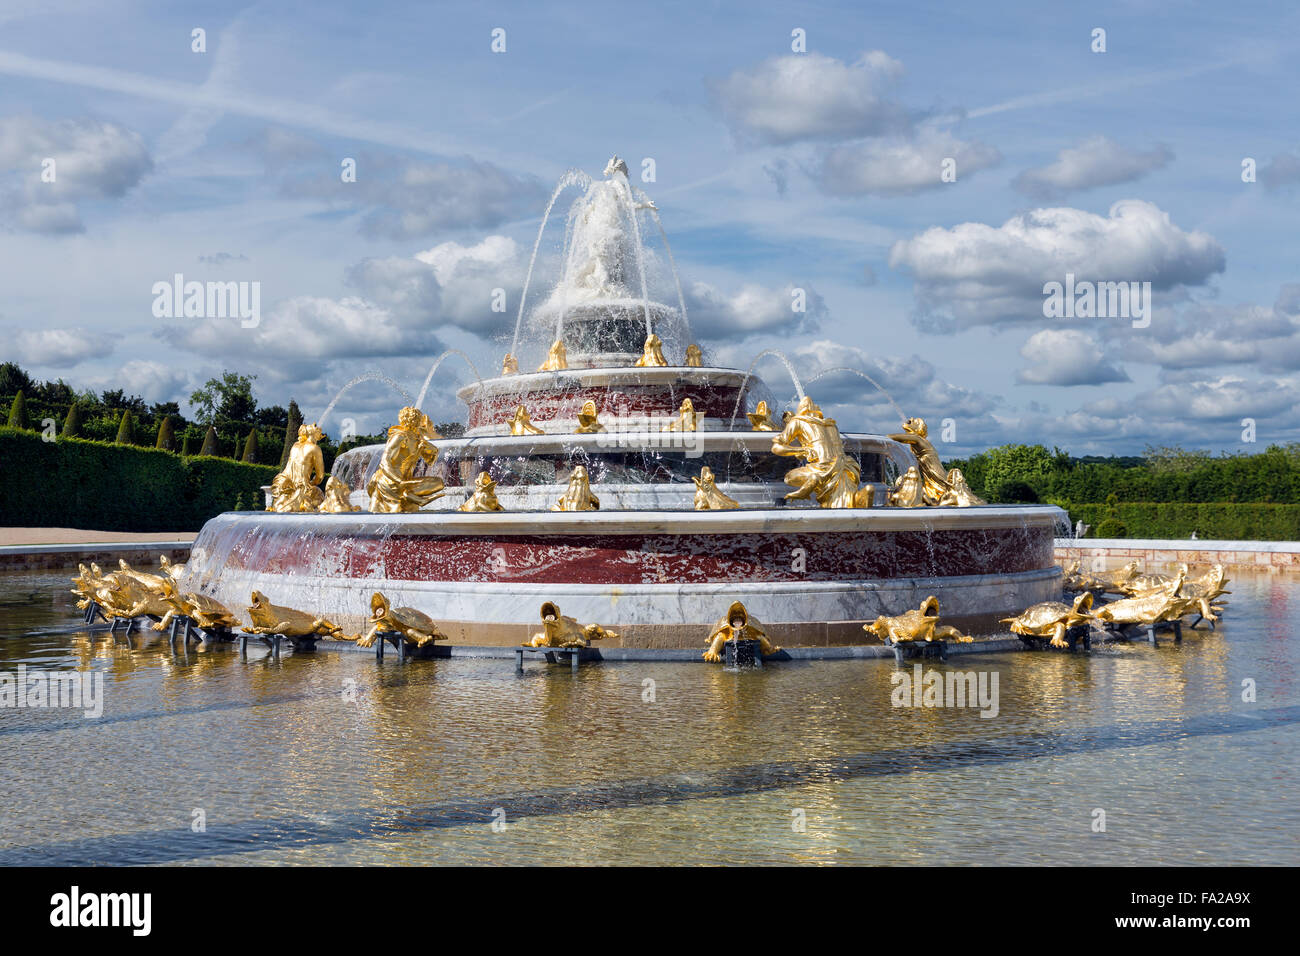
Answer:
(616, 484)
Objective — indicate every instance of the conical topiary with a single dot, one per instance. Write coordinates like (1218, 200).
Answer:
(291, 431)
(250, 448)
(166, 435)
(209, 442)
(18, 412)
(72, 424)
(185, 446)
(124, 428)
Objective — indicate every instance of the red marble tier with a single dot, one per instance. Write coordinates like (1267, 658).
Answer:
(712, 401)
(660, 558)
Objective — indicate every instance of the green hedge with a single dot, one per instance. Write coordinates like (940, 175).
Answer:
(76, 483)
(1222, 520)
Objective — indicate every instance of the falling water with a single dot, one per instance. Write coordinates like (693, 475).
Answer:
(572, 177)
(419, 400)
(860, 374)
(794, 377)
(371, 376)
(640, 257)
(672, 264)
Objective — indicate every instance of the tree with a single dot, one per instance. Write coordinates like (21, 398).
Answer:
(72, 424)
(166, 435)
(18, 412)
(116, 398)
(13, 379)
(209, 442)
(124, 428)
(291, 431)
(230, 396)
(250, 448)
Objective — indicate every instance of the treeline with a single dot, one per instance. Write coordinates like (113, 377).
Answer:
(1166, 493)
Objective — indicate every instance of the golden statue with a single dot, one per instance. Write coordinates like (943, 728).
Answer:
(1201, 591)
(938, 487)
(394, 488)
(908, 490)
(919, 625)
(336, 498)
(737, 625)
(694, 357)
(521, 424)
(560, 631)
(84, 586)
(105, 590)
(652, 353)
(294, 489)
(687, 420)
(1140, 584)
(170, 570)
(268, 618)
(509, 365)
(1163, 604)
(707, 495)
(578, 496)
(556, 359)
(828, 474)
(587, 423)
(416, 627)
(208, 613)
(760, 419)
(1115, 581)
(1052, 619)
(959, 494)
(484, 497)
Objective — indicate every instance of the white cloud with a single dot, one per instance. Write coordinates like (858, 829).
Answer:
(1066, 357)
(812, 96)
(1098, 161)
(56, 348)
(974, 274)
(751, 310)
(897, 165)
(92, 159)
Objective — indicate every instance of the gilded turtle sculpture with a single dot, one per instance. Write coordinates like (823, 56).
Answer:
(268, 618)
(1052, 619)
(416, 627)
(559, 630)
(921, 624)
(737, 625)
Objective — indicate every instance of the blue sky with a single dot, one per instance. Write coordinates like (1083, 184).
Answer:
(774, 170)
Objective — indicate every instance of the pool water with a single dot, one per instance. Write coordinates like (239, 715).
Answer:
(205, 758)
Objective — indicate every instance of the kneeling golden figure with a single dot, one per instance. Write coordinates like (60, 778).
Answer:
(484, 497)
(394, 488)
(268, 618)
(509, 365)
(560, 631)
(577, 496)
(707, 495)
(336, 498)
(416, 627)
(828, 474)
(294, 489)
(557, 358)
(694, 357)
(687, 420)
(921, 624)
(652, 353)
(737, 625)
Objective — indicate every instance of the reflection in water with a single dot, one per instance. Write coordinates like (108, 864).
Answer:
(332, 758)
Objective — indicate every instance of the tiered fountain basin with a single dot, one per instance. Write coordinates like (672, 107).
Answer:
(659, 578)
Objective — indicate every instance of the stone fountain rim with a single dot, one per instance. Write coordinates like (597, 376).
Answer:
(603, 375)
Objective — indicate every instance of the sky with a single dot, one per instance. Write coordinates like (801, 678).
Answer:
(918, 173)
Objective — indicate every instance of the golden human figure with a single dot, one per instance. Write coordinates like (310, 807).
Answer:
(294, 489)
(908, 490)
(737, 625)
(652, 353)
(959, 494)
(556, 359)
(707, 495)
(760, 419)
(937, 485)
(587, 421)
(484, 497)
(522, 424)
(687, 420)
(578, 496)
(336, 498)
(394, 488)
(694, 357)
(509, 365)
(829, 475)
